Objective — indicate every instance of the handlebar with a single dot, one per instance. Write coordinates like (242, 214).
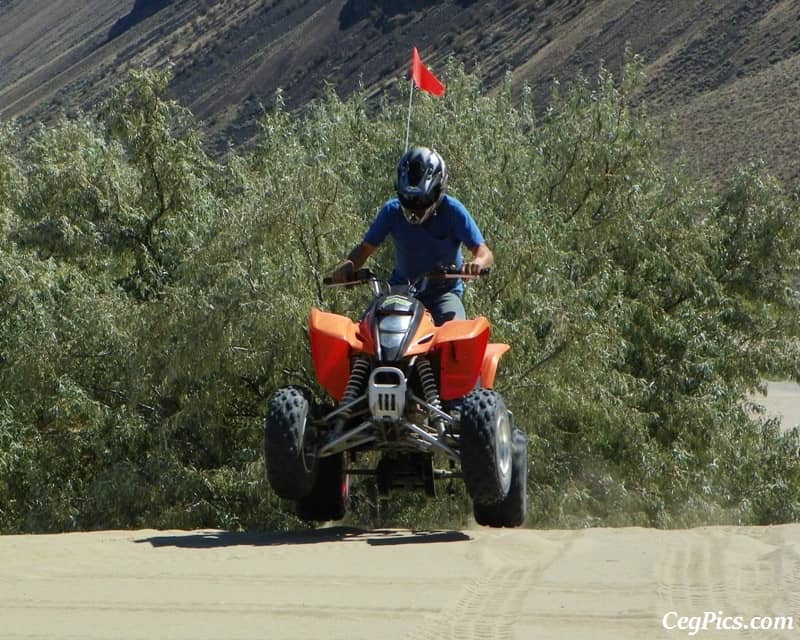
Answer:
(360, 276)
(455, 272)
(446, 273)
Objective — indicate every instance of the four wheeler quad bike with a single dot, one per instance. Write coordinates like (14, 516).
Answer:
(411, 391)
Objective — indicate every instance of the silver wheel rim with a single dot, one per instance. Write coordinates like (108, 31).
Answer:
(503, 450)
(306, 453)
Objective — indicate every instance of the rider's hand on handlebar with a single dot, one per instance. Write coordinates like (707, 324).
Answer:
(471, 268)
(343, 273)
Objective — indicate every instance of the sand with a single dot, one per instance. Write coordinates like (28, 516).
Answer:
(349, 583)
(783, 400)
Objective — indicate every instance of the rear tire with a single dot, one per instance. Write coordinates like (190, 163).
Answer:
(486, 447)
(330, 494)
(291, 468)
(511, 511)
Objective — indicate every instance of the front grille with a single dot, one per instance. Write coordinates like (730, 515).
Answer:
(387, 392)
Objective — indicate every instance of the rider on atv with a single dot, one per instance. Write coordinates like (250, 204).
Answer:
(412, 388)
(428, 228)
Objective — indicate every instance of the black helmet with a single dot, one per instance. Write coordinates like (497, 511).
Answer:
(421, 183)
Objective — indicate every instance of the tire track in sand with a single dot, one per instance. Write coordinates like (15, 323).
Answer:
(487, 608)
(729, 572)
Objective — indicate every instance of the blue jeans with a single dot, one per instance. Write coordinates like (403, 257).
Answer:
(444, 306)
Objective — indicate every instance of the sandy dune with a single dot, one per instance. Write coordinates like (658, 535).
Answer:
(347, 583)
(783, 400)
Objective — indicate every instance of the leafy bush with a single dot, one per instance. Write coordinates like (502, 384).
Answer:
(153, 297)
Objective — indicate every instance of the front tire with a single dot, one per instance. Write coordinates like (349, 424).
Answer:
(511, 511)
(291, 467)
(486, 447)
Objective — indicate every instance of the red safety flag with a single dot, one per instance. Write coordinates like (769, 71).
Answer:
(422, 76)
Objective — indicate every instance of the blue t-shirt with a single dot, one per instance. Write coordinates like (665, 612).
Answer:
(420, 248)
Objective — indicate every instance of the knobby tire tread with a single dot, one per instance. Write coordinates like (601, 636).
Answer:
(478, 459)
(283, 442)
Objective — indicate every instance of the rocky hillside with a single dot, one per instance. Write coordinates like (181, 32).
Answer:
(725, 73)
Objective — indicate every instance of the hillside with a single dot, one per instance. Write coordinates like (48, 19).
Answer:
(726, 72)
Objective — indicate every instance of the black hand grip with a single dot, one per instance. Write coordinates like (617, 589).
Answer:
(362, 275)
(357, 277)
(456, 271)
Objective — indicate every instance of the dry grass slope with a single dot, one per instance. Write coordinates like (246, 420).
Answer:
(726, 71)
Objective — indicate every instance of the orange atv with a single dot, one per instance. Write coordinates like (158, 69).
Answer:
(410, 390)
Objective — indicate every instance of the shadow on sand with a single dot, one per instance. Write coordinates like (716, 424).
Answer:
(372, 537)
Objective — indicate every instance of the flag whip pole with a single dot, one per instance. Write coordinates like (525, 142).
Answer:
(408, 123)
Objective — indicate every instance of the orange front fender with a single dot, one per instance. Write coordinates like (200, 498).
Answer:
(332, 339)
(461, 345)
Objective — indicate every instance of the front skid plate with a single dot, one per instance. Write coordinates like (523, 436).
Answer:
(389, 435)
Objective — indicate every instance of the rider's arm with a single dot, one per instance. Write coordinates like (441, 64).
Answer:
(470, 236)
(482, 258)
(354, 261)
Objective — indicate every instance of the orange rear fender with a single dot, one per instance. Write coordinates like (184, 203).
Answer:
(494, 351)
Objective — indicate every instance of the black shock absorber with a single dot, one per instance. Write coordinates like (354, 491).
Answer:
(357, 381)
(428, 382)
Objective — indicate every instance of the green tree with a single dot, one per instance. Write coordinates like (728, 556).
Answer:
(152, 297)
